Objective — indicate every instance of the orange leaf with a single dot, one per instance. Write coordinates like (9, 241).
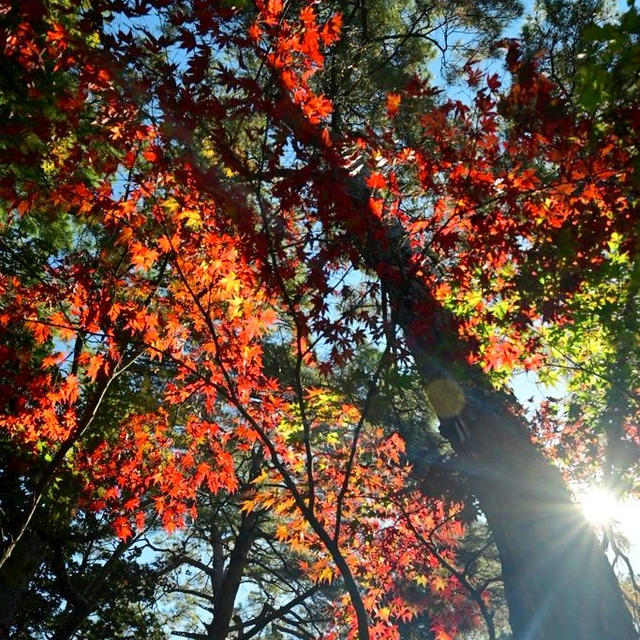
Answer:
(393, 104)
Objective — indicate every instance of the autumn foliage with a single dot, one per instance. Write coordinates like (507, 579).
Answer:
(222, 218)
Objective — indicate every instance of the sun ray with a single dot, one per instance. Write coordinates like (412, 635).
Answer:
(600, 506)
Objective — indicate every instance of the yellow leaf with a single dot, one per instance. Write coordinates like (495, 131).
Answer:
(192, 218)
(171, 205)
(383, 613)
(247, 506)
(230, 173)
(421, 580)
(261, 478)
(326, 575)
(230, 283)
(439, 583)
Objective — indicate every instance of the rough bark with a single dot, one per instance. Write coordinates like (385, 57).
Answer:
(558, 582)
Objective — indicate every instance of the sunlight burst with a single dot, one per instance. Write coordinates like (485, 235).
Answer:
(600, 506)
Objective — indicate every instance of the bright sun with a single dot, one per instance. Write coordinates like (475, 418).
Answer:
(600, 506)
(602, 509)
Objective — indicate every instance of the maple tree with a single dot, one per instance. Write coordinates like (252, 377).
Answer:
(211, 209)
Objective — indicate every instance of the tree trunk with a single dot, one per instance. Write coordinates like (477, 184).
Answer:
(15, 576)
(558, 582)
(227, 591)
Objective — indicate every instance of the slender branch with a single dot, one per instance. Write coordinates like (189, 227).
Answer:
(49, 474)
(371, 391)
(329, 543)
(262, 621)
(461, 576)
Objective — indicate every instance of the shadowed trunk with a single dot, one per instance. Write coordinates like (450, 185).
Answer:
(558, 582)
(226, 591)
(15, 576)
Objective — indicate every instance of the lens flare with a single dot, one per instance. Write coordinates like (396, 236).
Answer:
(600, 506)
